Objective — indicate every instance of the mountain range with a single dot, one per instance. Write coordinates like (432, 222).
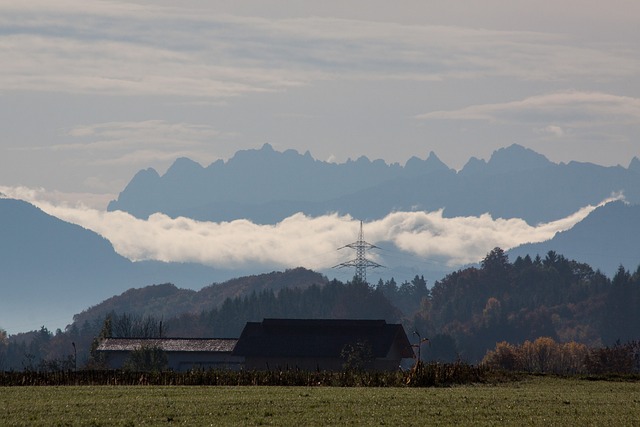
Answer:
(266, 186)
(52, 269)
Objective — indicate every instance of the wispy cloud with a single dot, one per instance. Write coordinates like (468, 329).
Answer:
(138, 143)
(128, 135)
(112, 48)
(574, 108)
(300, 240)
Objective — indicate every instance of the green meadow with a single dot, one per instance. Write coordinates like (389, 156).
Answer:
(530, 401)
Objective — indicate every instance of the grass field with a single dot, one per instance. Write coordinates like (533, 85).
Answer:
(533, 401)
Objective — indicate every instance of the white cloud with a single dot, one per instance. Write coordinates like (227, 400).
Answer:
(554, 130)
(300, 240)
(48, 197)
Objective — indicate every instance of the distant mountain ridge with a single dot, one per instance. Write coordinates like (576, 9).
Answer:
(266, 186)
(605, 239)
(250, 178)
(167, 300)
(50, 269)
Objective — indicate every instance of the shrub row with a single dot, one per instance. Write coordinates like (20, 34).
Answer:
(544, 355)
(422, 375)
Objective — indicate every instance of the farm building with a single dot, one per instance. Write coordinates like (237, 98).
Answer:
(311, 344)
(182, 354)
(307, 344)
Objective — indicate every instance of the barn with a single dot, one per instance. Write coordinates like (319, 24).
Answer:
(182, 354)
(322, 344)
(306, 344)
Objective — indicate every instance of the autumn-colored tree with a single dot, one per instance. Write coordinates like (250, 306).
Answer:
(505, 356)
(546, 354)
(572, 357)
(541, 355)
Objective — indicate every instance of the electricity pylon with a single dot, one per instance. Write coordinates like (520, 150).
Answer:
(361, 263)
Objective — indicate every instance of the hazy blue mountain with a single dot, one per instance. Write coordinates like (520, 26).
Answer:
(606, 239)
(515, 183)
(514, 158)
(263, 185)
(50, 269)
(266, 186)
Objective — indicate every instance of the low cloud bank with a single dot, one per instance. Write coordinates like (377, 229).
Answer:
(300, 240)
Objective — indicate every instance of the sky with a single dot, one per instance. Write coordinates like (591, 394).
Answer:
(93, 91)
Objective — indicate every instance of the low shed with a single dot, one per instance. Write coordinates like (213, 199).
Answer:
(322, 344)
(183, 354)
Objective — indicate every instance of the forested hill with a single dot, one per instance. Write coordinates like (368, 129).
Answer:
(548, 296)
(166, 301)
(464, 315)
(474, 307)
(267, 186)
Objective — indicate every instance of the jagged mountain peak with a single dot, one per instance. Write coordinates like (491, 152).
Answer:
(267, 155)
(142, 185)
(142, 179)
(146, 174)
(432, 163)
(516, 157)
(474, 165)
(184, 165)
(266, 186)
(513, 158)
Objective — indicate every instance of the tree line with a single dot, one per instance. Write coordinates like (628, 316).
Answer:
(545, 355)
(531, 298)
(463, 316)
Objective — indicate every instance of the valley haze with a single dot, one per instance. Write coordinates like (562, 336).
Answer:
(194, 253)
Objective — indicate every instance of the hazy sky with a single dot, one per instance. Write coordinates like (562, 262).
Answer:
(93, 91)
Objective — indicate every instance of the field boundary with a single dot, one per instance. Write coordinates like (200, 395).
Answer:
(423, 375)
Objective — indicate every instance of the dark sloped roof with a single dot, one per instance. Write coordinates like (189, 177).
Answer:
(319, 338)
(169, 344)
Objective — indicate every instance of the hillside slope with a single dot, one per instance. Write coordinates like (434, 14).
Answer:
(605, 239)
(52, 269)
